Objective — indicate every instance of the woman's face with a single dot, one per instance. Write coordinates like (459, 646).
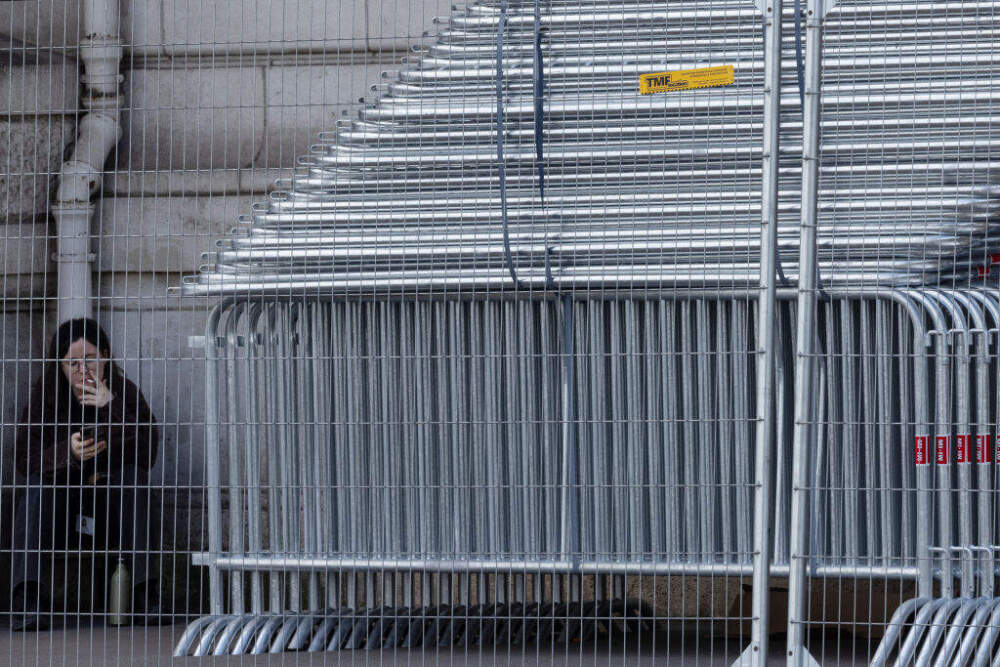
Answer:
(83, 364)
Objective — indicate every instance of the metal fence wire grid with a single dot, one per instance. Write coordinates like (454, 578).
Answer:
(619, 329)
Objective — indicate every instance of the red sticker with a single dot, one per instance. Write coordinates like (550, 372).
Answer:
(941, 450)
(963, 445)
(995, 258)
(983, 271)
(983, 449)
(923, 457)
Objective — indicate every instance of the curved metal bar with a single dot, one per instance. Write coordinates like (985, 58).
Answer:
(247, 635)
(895, 629)
(302, 633)
(921, 623)
(320, 637)
(267, 630)
(985, 650)
(191, 634)
(230, 632)
(209, 634)
(284, 635)
(980, 624)
(956, 627)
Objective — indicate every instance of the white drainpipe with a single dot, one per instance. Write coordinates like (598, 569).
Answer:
(80, 176)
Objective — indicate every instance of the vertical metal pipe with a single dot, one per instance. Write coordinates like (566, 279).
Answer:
(868, 433)
(890, 523)
(927, 513)
(852, 457)
(274, 500)
(570, 549)
(906, 417)
(670, 365)
(527, 314)
(635, 440)
(324, 437)
(835, 465)
(213, 476)
(655, 385)
(308, 445)
(512, 393)
(550, 423)
(585, 449)
(805, 336)
(745, 487)
(463, 527)
(982, 441)
(288, 445)
(693, 512)
(233, 445)
(965, 422)
(601, 495)
(767, 303)
(724, 401)
(253, 448)
(705, 418)
(922, 417)
(445, 429)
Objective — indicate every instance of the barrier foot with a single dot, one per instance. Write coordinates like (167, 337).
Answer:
(749, 657)
(801, 657)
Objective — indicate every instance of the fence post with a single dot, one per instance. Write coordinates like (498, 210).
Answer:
(756, 653)
(805, 334)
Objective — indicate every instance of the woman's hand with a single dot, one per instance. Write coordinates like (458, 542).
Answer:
(96, 395)
(84, 450)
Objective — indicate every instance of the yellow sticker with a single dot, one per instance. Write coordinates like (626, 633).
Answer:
(668, 82)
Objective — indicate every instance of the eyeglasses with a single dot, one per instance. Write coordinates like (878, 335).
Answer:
(89, 363)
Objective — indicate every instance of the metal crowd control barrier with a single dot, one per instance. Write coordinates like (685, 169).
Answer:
(956, 463)
(913, 464)
(953, 416)
(402, 449)
(394, 449)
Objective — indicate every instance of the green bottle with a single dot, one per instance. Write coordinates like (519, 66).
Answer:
(120, 606)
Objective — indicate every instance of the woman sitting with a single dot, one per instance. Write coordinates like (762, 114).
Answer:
(86, 444)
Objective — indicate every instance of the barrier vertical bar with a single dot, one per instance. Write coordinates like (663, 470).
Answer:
(213, 477)
(797, 655)
(756, 652)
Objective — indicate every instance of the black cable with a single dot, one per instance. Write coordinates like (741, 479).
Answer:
(539, 106)
(539, 81)
(502, 172)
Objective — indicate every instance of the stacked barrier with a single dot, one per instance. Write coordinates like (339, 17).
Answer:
(458, 368)
(953, 481)
(637, 191)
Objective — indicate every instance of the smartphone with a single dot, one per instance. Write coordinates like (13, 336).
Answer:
(94, 432)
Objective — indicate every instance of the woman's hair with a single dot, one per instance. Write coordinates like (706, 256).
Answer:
(56, 390)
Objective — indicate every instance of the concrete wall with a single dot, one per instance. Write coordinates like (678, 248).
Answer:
(220, 98)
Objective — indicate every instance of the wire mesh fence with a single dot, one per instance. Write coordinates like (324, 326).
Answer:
(523, 329)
